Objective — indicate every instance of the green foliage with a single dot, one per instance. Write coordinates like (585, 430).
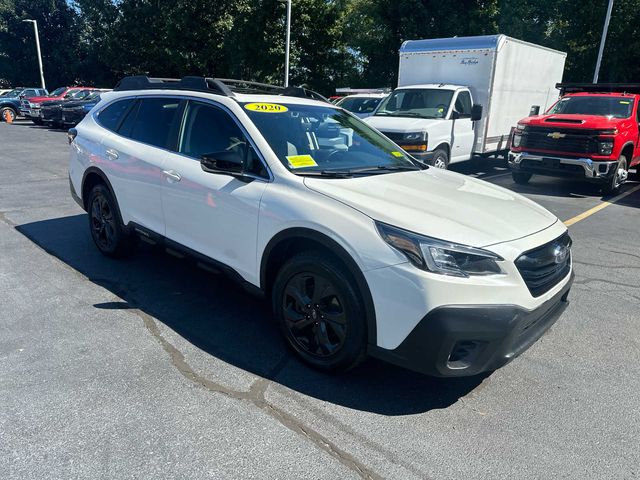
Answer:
(334, 42)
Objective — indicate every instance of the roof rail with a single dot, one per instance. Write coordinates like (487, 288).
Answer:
(598, 87)
(218, 86)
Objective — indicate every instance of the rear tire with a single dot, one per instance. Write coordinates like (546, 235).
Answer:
(618, 178)
(521, 178)
(319, 313)
(105, 224)
(13, 114)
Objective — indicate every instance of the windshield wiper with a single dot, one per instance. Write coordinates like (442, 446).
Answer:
(388, 168)
(325, 173)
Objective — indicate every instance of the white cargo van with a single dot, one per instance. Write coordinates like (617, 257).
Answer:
(459, 97)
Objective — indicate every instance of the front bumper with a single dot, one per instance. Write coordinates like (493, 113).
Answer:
(463, 340)
(591, 170)
(30, 112)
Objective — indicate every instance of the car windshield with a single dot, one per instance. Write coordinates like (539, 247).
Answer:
(310, 139)
(80, 94)
(13, 93)
(422, 102)
(93, 96)
(57, 92)
(605, 106)
(359, 104)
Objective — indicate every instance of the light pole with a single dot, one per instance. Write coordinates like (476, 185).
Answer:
(287, 46)
(35, 29)
(602, 41)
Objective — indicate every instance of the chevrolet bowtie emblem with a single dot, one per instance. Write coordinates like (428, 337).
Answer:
(556, 135)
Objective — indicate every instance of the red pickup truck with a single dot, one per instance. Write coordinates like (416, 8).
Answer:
(592, 132)
(30, 107)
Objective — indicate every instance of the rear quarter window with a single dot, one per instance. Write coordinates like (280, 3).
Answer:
(111, 116)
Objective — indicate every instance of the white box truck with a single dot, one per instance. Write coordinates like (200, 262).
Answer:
(459, 97)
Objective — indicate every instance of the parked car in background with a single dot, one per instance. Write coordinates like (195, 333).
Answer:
(10, 101)
(74, 111)
(460, 97)
(360, 248)
(51, 112)
(30, 107)
(590, 133)
(362, 104)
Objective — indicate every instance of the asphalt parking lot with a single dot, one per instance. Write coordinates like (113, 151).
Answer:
(152, 368)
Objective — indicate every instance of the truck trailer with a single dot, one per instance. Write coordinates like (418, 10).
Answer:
(459, 97)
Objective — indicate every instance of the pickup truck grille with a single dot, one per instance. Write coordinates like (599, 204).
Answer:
(560, 140)
(544, 267)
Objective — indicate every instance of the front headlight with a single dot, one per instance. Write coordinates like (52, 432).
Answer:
(517, 139)
(605, 148)
(414, 136)
(438, 256)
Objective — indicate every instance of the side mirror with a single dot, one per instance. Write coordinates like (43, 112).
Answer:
(476, 112)
(535, 110)
(227, 161)
(455, 115)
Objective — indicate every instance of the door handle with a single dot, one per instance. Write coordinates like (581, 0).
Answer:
(111, 154)
(172, 175)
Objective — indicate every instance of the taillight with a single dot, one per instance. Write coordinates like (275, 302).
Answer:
(71, 135)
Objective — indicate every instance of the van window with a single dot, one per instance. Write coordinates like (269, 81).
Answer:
(208, 129)
(463, 103)
(111, 116)
(154, 120)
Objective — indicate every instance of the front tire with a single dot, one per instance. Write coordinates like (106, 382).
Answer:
(618, 178)
(105, 225)
(521, 178)
(440, 159)
(319, 313)
(8, 111)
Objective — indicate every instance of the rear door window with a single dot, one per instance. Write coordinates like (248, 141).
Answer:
(111, 116)
(154, 121)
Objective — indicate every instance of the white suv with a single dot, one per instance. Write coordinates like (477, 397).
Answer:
(360, 248)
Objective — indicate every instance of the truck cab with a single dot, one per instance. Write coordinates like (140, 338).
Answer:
(591, 133)
(433, 122)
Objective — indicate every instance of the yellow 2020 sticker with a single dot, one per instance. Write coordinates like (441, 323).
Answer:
(266, 107)
(301, 161)
(397, 154)
(625, 102)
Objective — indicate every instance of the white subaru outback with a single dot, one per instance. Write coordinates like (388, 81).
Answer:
(360, 248)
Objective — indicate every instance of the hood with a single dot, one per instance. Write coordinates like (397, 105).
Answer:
(573, 121)
(78, 103)
(440, 204)
(43, 99)
(52, 103)
(400, 124)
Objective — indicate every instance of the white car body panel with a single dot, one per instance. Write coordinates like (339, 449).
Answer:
(233, 221)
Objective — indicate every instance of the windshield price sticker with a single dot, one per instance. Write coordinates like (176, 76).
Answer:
(625, 102)
(301, 161)
(266, 107)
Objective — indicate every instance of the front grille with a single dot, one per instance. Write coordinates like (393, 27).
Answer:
(559, 140)
(544, 267)
(396, 137)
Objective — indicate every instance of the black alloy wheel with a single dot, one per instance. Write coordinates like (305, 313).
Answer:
(103, 219)
(314, 314)
(105, 225)
(320, 311)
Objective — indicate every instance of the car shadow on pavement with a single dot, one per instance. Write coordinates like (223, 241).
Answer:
(218, 317)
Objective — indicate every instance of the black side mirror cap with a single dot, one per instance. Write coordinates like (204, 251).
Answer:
(227, 161)
(535, 110)
(476, 112)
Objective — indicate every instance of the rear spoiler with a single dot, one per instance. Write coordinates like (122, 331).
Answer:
(598, 87)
